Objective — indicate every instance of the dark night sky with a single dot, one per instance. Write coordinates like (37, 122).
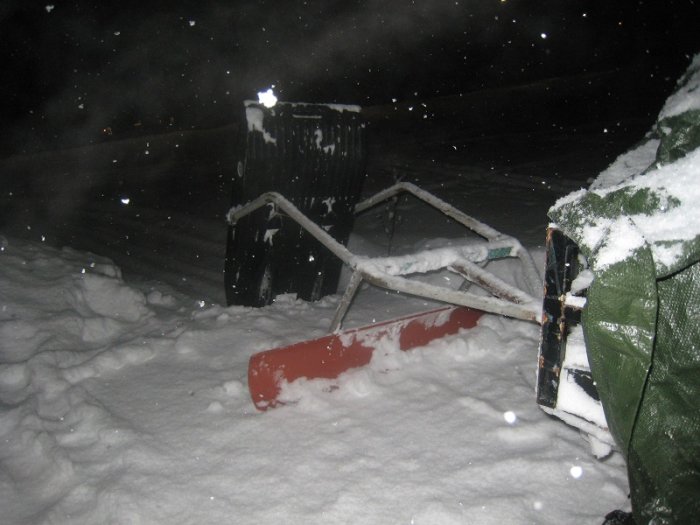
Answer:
(72, 68)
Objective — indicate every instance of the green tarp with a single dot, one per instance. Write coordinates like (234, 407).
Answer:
(641, 324)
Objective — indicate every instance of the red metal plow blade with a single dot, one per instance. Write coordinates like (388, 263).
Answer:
(331, 355)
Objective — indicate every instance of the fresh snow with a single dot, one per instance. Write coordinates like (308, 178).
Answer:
(686, 98)
(126, 403)
(627, 165)
(254, 117)
(675, 185)
(677, 220)
(572, 398)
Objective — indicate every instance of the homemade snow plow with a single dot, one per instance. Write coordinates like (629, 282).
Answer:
(621, 289)
(328, 356)
(294, 203)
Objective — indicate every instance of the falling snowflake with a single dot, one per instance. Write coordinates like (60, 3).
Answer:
(576, 471)
(267, 98)
(510, 417)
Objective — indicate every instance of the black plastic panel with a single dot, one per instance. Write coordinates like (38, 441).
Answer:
(314, 155)
(561, 268)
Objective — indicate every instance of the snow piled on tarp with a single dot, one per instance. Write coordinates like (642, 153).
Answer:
(672, 190)
(625, 166)
(687, 97)
(121, 404)
(639, 228)
(649, 194)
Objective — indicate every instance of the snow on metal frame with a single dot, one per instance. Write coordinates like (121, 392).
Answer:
(387, 272)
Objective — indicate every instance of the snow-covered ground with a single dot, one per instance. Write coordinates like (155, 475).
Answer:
(128, 404)
(124, 399)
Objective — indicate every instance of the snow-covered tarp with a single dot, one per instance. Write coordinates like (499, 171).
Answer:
(639, 227)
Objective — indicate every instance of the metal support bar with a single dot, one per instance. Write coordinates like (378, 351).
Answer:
(292, 212)
(532, 275)
(526, 312)
(346, 300)
(388, 272)
(478, 227)
(491, 283)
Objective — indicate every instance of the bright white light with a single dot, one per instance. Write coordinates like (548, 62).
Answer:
(267, 98)
(576, 472)
(125, 200)
(543, 35)
(510, 417)
(49, 8)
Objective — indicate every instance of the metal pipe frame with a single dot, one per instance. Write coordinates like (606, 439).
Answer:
(389, 272)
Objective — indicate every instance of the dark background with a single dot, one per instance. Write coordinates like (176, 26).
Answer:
(73, 69)
(120, 121)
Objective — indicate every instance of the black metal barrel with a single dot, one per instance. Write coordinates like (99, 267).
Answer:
(314, 155)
